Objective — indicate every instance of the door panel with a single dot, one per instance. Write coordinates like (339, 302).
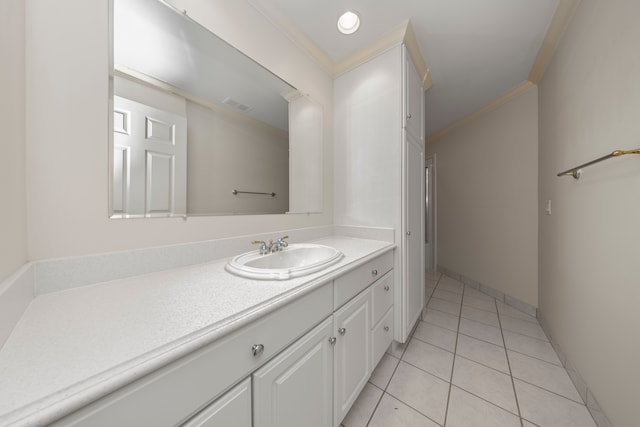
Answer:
(149, 160)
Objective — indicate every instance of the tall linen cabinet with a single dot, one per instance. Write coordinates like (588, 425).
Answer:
(379, 167)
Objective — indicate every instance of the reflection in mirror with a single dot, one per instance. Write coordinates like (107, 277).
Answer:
(199, 128)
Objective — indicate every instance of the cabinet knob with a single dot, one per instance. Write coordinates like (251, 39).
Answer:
(409, 116)
(386, 288)
(257, 349)
(408, 233)
(342, 331)
(332, 340)
(374, 272)
(386, 328)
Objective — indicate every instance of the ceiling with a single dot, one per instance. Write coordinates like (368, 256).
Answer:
(476, 50)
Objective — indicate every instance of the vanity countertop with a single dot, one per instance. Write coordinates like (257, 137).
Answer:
(75, 346)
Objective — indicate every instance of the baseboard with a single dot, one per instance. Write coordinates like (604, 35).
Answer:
(589, 400)
(581, 385)
(488, 290)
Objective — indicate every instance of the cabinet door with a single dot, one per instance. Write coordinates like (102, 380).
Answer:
(232, 409)
(413, 234)
(352, 358)
(295, 388)
(413, 98)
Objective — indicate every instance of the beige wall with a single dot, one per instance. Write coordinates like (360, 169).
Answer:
(589, 246)
(227, 153)
(487, 186)
(13, 240)
(67, 130)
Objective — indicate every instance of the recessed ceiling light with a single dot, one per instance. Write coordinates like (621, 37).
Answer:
(348, 22)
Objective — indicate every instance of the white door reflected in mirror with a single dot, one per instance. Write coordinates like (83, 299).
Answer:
(242, 133)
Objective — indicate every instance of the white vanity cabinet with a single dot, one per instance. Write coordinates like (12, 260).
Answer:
(296, 387)
(379, 165)
(303, 364)
(381, 317)
(232, 409)
(352, 355)
(316, 380)
(173, 394)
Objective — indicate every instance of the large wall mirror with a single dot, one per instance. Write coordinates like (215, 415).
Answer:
(201, 129)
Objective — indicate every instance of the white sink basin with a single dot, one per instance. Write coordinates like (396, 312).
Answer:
(293, 261)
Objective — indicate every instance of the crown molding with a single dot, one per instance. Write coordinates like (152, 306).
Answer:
(296, 36)
(402, 34)
(524, 87)
(559, 23)
(411, 42)
(389, 40)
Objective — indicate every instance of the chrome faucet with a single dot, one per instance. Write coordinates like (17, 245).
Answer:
(264, 249)
(276, 246)
(279, 244)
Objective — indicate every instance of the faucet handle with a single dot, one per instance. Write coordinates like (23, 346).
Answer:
(263, 246)
(282, 242)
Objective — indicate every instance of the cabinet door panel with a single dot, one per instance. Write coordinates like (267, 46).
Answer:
(295, 388)
(413, 236)
(352, 353)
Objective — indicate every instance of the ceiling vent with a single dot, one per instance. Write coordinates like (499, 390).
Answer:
(236, 105)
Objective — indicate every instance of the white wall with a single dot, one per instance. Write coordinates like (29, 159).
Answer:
(67, 129)
(487, 214)
(13, 240)
(589, 246)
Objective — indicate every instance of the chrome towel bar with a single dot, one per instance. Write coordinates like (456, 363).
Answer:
(236, 192)
(577, 171)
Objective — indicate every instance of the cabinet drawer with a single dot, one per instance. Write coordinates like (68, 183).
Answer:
(233, 408)
(382, 336)
(354, 282)
(381, 297)
(190, 383)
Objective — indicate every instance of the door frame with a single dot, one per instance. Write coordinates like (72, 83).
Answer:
(431, 228)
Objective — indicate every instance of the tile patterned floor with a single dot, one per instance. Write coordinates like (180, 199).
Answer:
(471, 361)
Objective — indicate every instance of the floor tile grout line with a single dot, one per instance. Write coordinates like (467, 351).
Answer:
(485, 400)
(513, 384)
(430, 343)
(377, 403)
(453, 364)
(551, 391)
(415, 409)
(535, 357)
(482, 364)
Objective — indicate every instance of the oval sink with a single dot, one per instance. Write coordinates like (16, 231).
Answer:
(295, 260)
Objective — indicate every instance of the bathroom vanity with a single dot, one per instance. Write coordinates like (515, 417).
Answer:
(198, 346)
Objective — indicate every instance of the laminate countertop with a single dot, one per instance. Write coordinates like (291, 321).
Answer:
(74, 346)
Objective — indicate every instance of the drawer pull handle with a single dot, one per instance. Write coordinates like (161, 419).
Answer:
(342, 331)
(332, 340)
(386, 329)
(386, 288)
(374, 272)
(257, 349)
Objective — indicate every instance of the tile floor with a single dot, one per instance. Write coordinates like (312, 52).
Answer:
(471, 361)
